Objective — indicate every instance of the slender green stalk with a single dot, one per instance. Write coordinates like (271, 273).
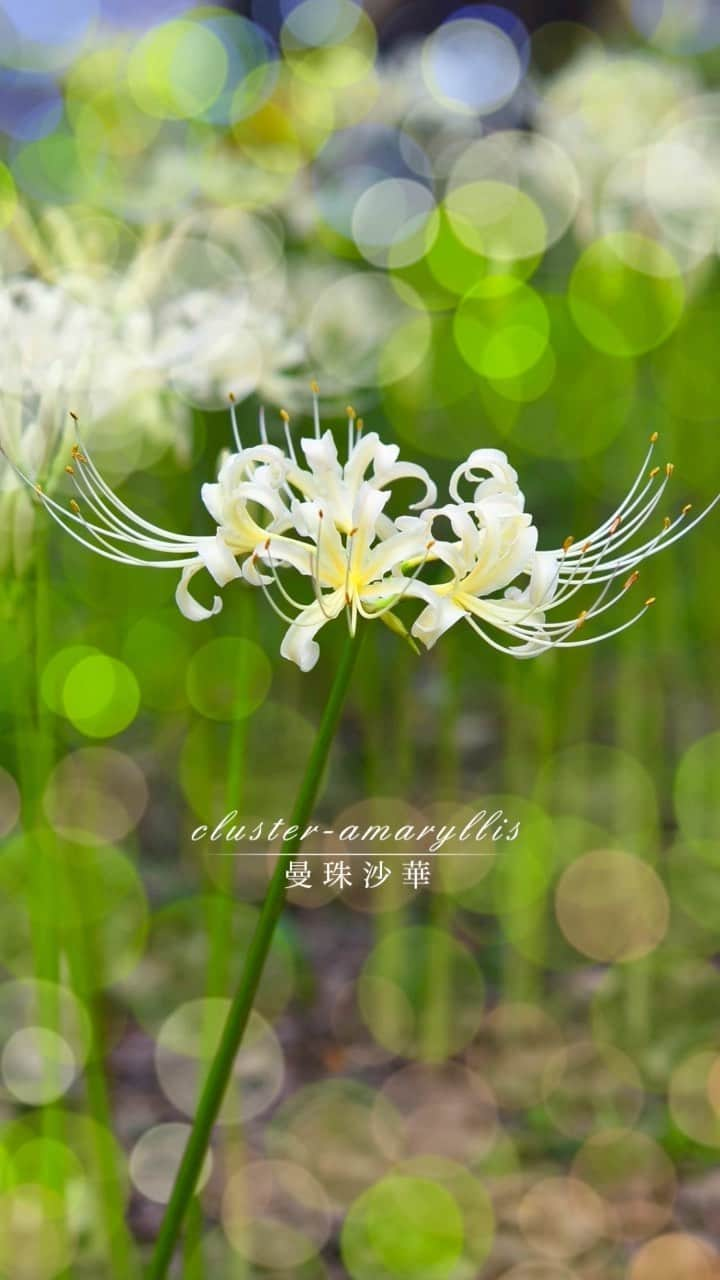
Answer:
(242, 1003)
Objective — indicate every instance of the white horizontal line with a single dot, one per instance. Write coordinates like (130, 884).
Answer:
(347, 853)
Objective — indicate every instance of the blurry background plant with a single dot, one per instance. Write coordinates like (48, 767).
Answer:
(482, 225)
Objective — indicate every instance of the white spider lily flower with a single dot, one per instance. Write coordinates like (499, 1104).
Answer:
(352, 551)
(327, 522)
(494, 545)
(357, 571)
(496, 482)
(336, 486)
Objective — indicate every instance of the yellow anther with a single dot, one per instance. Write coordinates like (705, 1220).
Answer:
(585, 547)
(267, 544)
(38, 488)
(315, 387)
(669, 468)
(73, 415)
(632, 580)
(655, 471)
(581, 618)
(231, 397)
(70, 470)
(616, 524)
(686, 508)
(284, 415)
(77, 453)
(568, 543)
(649, 601)
(350, 412)
(654, 437)
(667, 522)
(360, 424)
(74, 507)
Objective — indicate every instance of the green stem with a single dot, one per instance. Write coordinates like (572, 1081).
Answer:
(242, 1003)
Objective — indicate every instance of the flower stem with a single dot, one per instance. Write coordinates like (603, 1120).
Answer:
(244, 998)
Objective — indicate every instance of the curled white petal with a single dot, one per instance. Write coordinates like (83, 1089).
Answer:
(187, 604)
(299, 644)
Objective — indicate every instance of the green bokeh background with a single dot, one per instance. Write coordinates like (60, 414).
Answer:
(428, 1068)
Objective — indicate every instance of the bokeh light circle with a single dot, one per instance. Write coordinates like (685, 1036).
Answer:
(396, 982)
(45, 1034)
(155, 1159)
(676, 27)
(536, 168)
(626, 294)
(501, 327)
(403, 1227)
(561, 1217)
(177, 70)
(696, 789)
(634, 1177)
(37, 1065)
(612, 906)
(275, 1214)
(95, 794)
(589, 1087)
(393, 222)
(499, 221)
(447, 1111)
(471, 66)
(339, 1131)
(186, 1044)
(692, 1100)
(511, 1051)
(675, 1256)
(34, 1243)
(228, 678)
(353, 323)
(100, 696)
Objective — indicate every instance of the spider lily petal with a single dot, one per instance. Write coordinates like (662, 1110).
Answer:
(496, 547)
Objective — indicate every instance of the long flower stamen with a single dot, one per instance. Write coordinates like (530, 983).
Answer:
(623, 527)
(515, 652)
(622, 510)
(113, 527)
(667, 536)
(233, 420)
(392, 604)
(297, 604)
(315, 389)
(286, 424)
(348, 568)
(316, 578)
(82, 456)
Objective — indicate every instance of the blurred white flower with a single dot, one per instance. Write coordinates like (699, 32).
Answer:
(584, 107)
(636, 169)
(59, 352)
